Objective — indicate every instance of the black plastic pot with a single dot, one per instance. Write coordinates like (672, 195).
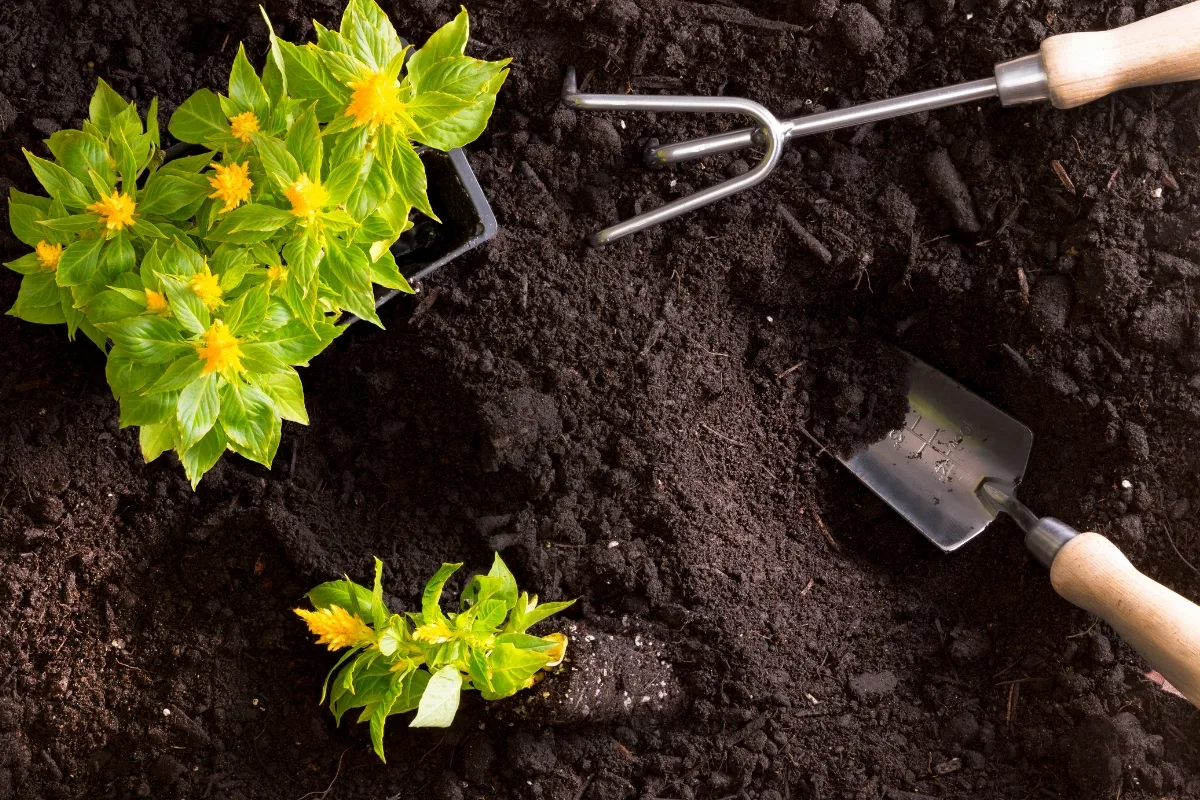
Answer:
(457, 198)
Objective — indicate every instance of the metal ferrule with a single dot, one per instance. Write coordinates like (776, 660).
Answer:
(1047, 537)
(1022, 80)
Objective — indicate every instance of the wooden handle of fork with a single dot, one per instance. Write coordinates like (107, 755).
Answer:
(1164, 48)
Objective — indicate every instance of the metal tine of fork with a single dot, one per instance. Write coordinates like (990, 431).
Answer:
(772, 132)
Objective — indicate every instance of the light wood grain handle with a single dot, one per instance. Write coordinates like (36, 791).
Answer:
(1165, 48)
(1164, 627)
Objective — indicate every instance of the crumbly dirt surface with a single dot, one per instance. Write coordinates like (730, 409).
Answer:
(626, 425)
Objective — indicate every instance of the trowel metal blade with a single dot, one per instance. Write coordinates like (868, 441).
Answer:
(929, 470)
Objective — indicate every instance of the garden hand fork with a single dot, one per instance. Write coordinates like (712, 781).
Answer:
(1069, 70)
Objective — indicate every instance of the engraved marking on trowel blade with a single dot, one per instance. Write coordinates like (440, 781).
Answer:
(944, 449)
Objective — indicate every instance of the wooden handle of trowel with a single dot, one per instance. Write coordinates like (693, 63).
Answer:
(1092, 573)
(1083, 67)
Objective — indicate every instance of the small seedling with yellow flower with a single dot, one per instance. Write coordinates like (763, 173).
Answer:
(423, 662)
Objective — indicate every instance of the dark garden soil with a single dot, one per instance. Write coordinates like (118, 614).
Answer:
(626, 425)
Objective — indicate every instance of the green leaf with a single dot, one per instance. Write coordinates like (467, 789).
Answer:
(309, 79)
(281, 165)
(80, 262)
(247, 313)
(342, 180)
(77, 223)
(152, 409)
(203, 456)
(23, 219)
(348, 271)
(166, 194)
(258, 359)
(379, 611)
(370, 193)
(295, 343)
(186, 305)
(439, 703)
(508, 591)
(304, 143)
(38, 290)
(431, 107)
(274, 75)
(200, 120)
(180, 259)
(408, 172)
(150, 340)
(157, 439)
(465, 126)
(523, 617)
(287, 392)
(27, 264)
(105, 106)
(432, 595)
(250, 422)
(58, 183)
(330, 40)
(346, 594)
(509, 669)
(448, 41)
(80, 154)
(379, 714)
(188, 165)
(127, 160)
(198, 408)
(460, 76)
(119, 257)
(246, 89)
(369, 34)
(111, 305)
(524, 641)
(153, 135)
(303, 257)
(385, 272)
(179, 375)
(251, 224)
(125, 375)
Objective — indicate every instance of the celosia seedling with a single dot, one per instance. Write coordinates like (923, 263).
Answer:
(423, 661)
(212, 276)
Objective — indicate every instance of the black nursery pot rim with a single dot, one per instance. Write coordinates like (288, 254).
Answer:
(456, 197)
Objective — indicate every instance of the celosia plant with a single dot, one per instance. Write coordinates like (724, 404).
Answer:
(424, 661)
(212, 276)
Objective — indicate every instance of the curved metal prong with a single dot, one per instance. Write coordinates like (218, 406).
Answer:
(772, 130)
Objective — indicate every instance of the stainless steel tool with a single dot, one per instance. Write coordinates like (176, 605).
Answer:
(956, 464)
(1069, 70)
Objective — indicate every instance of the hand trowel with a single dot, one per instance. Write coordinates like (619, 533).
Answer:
(956, 464)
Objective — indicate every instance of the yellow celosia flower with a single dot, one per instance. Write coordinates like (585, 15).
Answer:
(243, 126)
(232, 184)
(277, 274)
(375, 100)
(115, 210)
(559, 651)
(432, 633)
(48, 255)
(219, 350)
(306, 196)
(208, 288)
(156, 303)
(337, 627)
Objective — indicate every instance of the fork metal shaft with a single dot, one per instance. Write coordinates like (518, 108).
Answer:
(942, 97)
